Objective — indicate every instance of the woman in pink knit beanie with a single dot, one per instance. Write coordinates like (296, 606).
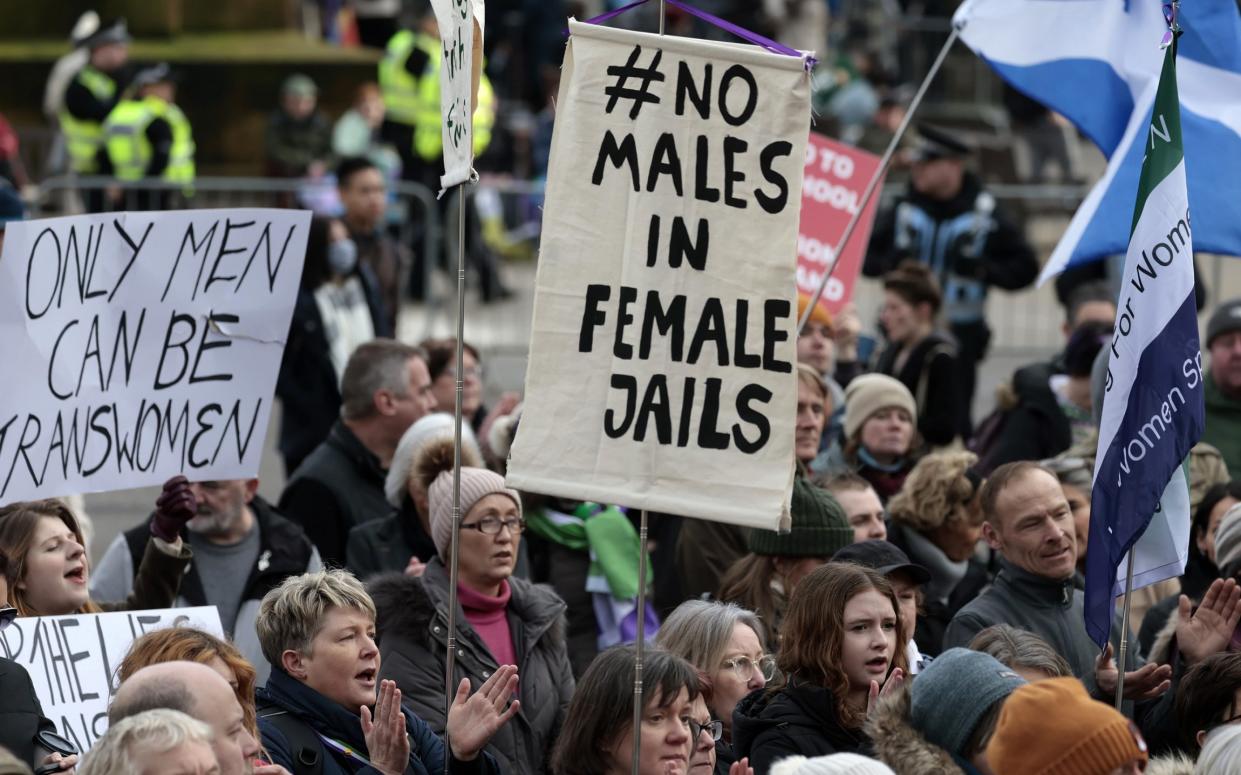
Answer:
(501, 619)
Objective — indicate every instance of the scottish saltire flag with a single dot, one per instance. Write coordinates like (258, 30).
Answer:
(1089, 61)
(1152, 405)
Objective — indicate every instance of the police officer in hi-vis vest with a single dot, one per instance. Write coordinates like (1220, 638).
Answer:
(147, 136)
(409, 77)
(949, 221)
(90, 97)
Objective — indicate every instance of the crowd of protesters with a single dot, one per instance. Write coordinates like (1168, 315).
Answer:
(924, 613)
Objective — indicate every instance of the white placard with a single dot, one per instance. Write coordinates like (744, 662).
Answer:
(137, 346)
(461, 24)
(662, 357)
(72, 660)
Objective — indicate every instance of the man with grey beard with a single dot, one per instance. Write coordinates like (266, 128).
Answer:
(242, 548)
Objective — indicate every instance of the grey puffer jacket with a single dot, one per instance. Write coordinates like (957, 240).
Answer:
(413, 639)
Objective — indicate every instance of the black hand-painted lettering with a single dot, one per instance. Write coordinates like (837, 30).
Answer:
(136, 248)
(709, 435)
(592, 316)
(774, 310)
(204, 345)
(627, 296)
(626, 152)
(629, 387)
(746, 398)
(766, 160)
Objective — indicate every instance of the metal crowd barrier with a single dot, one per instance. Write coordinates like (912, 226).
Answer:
(1024, 322)
(416, 215)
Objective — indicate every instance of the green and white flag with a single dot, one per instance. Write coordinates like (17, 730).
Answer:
(1153, 406)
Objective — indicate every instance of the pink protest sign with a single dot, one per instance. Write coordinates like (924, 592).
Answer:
(835, 177)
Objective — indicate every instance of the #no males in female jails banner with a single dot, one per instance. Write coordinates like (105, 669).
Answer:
(137, 346)
(663, 348)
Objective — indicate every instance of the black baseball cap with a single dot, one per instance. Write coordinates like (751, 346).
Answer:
(113, 31)
(884, 557)
(147, 76)
(938, 143)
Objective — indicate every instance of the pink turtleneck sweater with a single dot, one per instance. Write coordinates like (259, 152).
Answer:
(489, 618)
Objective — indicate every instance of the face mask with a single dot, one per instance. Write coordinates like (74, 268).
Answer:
(342, 257)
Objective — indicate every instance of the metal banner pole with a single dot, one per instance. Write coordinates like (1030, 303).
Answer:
(640, 642)
(449, 688)
(1124, 633)
(879, 172)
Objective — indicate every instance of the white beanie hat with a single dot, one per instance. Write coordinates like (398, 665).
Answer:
(836, 764)
(476, 484)
(432, 426)
(1221, 752)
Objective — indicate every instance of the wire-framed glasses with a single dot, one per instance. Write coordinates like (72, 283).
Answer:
(491, 526)
(744, 667)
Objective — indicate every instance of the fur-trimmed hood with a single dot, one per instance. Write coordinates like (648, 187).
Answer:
(403, 609)
(1174, 764)
(900, 746)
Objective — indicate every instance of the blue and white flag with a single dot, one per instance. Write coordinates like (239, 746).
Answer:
(1152, 405)
(1089, 60)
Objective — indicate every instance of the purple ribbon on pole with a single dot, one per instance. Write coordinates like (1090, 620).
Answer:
(603, 17)
(741, 32)
(1174, 29)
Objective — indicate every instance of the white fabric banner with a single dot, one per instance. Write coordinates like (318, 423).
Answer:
(1163, 549)
(72, 660)
(662, 369)
(142, 345)
(461, 24)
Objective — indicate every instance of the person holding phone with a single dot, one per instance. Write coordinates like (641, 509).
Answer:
(24, 729)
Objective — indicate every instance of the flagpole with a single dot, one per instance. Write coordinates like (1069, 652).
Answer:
(455, 551)
(640, 633)
(884, 163)
(640, 641)
(639, 644)
(1124, 632)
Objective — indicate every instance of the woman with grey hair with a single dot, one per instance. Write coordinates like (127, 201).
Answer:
(154, 742)
(725, 642)
(1025, 653)
(318, 632)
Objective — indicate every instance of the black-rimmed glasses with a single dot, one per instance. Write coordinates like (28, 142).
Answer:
(713, 728)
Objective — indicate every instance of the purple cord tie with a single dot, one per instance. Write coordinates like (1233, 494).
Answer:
(727, 26)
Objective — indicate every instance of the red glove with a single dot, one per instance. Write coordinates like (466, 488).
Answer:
(175, 506)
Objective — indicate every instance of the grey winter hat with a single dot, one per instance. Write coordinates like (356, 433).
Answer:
(1224, 320)
(953, 692)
